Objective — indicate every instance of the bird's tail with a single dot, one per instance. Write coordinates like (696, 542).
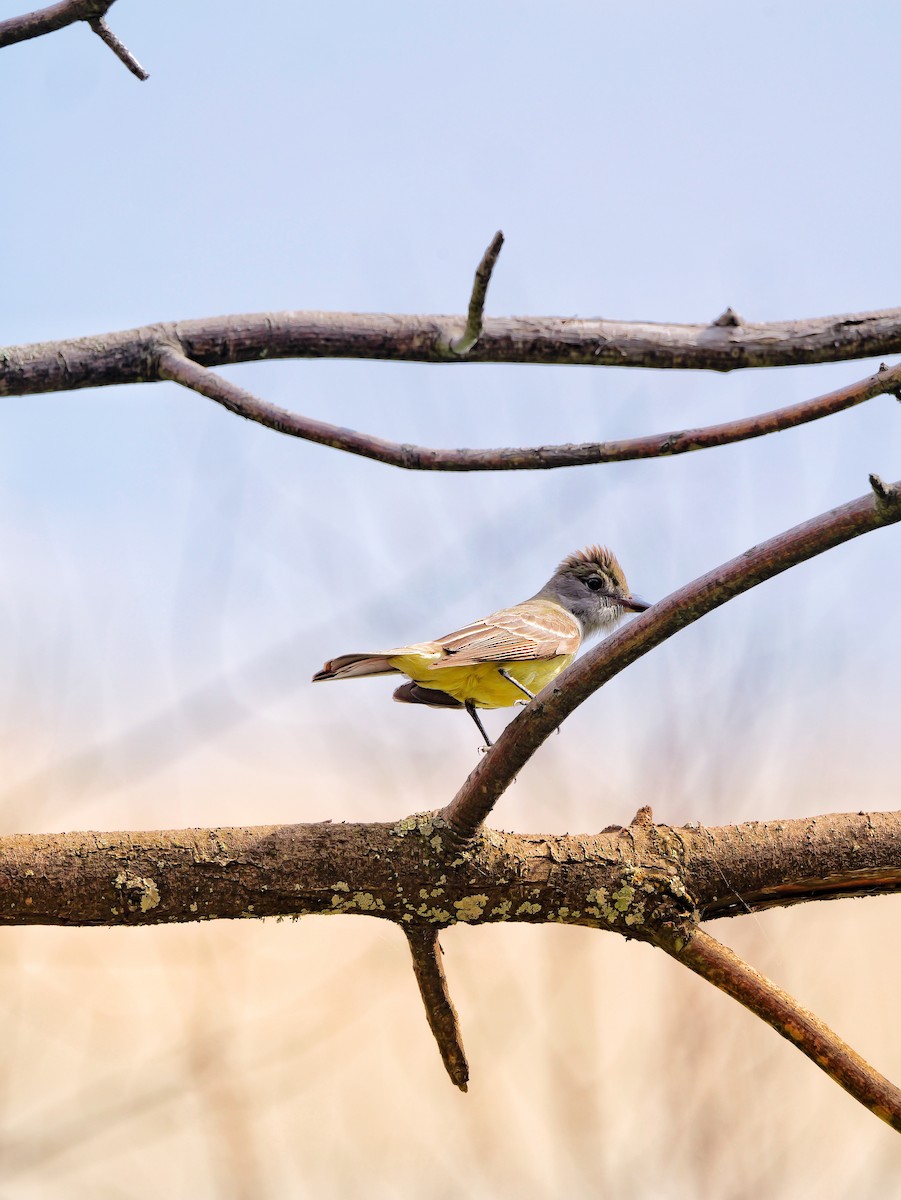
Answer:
(413, 693)
(349, 666)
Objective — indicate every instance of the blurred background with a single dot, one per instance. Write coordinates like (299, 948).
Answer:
(172, 576)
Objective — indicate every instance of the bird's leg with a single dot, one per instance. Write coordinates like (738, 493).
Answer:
(471, 709)
(516, 683)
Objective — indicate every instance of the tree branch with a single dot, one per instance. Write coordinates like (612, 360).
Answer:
(129, 356)
(439, 1009)
(538, 720)
(118, 48)
(644, 881)
(717, 964)
(462, 345)
(175, 366)
(736, 869)
(67, 12)
(381, 870)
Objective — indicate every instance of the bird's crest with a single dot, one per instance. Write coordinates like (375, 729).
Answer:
(593, 557)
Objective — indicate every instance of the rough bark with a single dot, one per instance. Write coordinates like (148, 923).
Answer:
(129, 356)
(418, 872)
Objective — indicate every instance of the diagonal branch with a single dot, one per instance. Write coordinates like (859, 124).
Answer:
(462, 345)
(439, 1009)
(128, 355)
(67, 12)
(176, 366)
(522, 737)
(723, 968)
(118, 48)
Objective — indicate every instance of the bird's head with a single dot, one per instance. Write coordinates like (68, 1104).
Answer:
(591, 585)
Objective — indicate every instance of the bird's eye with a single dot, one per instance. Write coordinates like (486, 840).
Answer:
(594, 584)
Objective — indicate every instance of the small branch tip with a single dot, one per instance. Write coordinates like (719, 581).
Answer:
(728, 318)
(439, 1009)
(888, 496)
(121, 51)
(462, 345)
(644, 817)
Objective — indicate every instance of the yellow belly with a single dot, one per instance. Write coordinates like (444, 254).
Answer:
(481, 682)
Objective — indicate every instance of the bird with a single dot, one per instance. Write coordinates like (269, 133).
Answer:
(510, 655)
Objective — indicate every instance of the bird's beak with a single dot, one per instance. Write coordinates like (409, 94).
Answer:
(633, 604)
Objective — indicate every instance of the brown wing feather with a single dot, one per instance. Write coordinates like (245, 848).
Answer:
(536, 629)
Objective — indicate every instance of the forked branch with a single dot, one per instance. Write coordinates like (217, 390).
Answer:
(67, 12)
(645, 881)
(538, 720)
(128, 356)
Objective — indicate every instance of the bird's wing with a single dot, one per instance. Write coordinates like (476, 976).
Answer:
(533, 630)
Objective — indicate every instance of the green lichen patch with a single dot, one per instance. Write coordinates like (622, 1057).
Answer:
(470, 908)
(421, 823)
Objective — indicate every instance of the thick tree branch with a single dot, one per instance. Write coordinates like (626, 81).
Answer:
(644, 881)
(721, 967)
(522, 737)
(175, 366)
(129, 356)
(58, 16)
(464, 343)
(735, 869)
(439, 1009)
(382, 870)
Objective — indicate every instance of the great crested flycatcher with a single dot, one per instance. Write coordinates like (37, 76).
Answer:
(498, 660)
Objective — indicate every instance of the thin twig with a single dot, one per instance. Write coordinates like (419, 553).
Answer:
(538, 720)
(122, 357)
(118, 48)
(462, 345)
(175, 365)
(58, 16)
(718, 964)
(439, 1009)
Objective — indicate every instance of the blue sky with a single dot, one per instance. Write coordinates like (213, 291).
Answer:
(644, 161)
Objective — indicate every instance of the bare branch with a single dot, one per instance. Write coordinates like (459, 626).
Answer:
(717, 964)
(167, 876)
(49, 19)
(736, 869)
(129, 355)
(538, 720)
(174, 365)
(67, 12)
(644, 881)
(462, 345)
(439, 1009)
(118, 48)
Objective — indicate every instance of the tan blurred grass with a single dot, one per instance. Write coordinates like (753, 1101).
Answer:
(292, 1059)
